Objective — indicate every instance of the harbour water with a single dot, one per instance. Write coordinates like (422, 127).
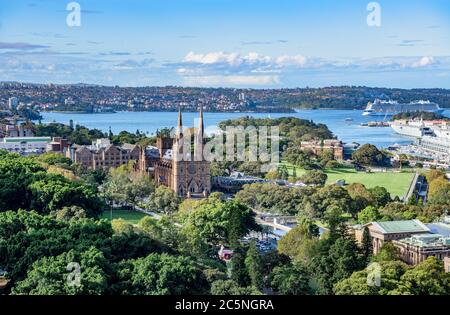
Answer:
(345, 124)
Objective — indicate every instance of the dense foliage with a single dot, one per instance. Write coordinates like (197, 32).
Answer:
(25, 184)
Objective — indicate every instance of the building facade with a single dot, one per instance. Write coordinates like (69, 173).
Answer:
(172, 163)
(414, 240)
(101, 154)
(25, 145)
(187, 173)
(417, 248)
(318, 147)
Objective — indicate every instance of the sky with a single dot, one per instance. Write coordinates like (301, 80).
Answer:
(227, 43)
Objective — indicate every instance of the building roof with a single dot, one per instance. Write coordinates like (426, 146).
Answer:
(404, 226)
(128, 146)
(152, 151)
(27, 139)
(427, 240)
(439, 228)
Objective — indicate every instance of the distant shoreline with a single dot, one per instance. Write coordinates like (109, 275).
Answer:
(166, 111)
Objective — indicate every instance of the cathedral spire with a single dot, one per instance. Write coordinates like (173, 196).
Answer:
(180, 124)
(199, 138)
(201, 127)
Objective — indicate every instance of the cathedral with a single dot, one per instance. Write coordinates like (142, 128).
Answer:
(172, 163)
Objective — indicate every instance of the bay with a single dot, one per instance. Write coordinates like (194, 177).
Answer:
(150, 122)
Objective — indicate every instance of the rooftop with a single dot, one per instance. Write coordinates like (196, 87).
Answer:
(439, 228)
(27, 139)
(427, 240)
(404, 226)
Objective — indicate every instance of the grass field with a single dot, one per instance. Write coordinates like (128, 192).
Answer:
(396, 183)
(132, 217)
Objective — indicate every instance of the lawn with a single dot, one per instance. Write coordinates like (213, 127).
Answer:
(396, 183)
(130, 216)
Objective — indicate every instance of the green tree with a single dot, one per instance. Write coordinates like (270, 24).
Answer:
(17, 173)
(163, 200)
(213, 222)
(427, 278)
(388, 252)
(54, 192)
(314, 177)
(368, 214)
(357, 283)
(292, 279)
(337, 260)
(54, 159)
(380, 195)
(50, 275)
(368, 154)
(161, 274)
(163, 230)
(253, 263)
(366, 246)
(238, 269)
(300, 243)
(70, 213)
(120, 226)
(230, 287)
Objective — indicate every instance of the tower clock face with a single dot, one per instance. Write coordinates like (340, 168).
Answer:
(191, 169)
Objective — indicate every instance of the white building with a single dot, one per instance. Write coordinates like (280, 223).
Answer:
(25, 145)
(13, 102)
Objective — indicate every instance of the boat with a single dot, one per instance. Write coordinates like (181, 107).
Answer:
(412, 128)
(390, 108)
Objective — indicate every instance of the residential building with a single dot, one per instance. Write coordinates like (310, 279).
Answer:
(13, 102)
(58, 145)
(15, 130)
(25, 145)
(318, 147)
(101, 154)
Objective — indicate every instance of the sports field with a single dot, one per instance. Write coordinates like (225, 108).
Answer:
(396, 183)
(130, 216)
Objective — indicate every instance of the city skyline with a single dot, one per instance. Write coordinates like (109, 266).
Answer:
(256, 44)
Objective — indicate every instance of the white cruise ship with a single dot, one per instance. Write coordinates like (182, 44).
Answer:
(389, 108)
(412, 128)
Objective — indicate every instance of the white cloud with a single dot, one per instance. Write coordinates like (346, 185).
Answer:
(212, 58)
(249, 59)
(423, 62)
(297, 60)
(231, 80)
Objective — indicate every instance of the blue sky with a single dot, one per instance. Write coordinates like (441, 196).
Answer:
(232, 43)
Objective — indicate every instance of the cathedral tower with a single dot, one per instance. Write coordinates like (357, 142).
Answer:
(191, 177)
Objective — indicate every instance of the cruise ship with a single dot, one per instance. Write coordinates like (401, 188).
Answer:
(432, 137)
(389, 108)
(412, 128)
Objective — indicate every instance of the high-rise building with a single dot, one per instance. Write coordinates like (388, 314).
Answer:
(13, 102)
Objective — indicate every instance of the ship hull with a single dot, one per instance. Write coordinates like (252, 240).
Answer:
(437, 111)
(410, 131)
